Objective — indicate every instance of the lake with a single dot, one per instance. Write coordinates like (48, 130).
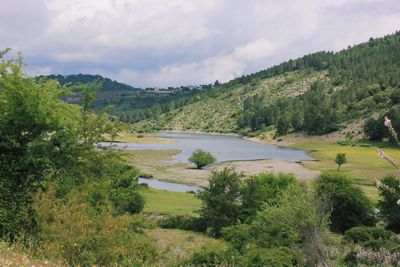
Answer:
(223, 147)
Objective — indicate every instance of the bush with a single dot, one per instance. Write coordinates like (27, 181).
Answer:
(266, 187)
(125, 194)
(298, 217)
(350, 206)
(207, 256)
(363, 234)
(202, 158)
(238, 236)
(389, 209)
(277, 257)
(178, 222)
(72, 230)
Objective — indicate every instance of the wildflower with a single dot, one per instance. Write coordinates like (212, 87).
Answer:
(398, 202)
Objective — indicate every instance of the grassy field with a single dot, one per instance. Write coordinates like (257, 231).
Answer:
(363, 164)
(167, 202)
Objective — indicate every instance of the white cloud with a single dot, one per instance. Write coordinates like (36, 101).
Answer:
(172, 42)
(220, 67)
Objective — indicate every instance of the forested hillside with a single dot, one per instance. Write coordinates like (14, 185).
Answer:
(123, 97)
(317, 93)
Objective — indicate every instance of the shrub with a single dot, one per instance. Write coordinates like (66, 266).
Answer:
(350, 206)
(125, 194)
(238, 236)
(207, 256)
(72, 230)
(266, 187)
(363, 234)
(178, 222)
(201, 158)
(389, 209)
(277, 257)
(298, 217)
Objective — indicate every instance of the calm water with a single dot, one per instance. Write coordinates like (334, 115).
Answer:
(223, 147)
(168, 186)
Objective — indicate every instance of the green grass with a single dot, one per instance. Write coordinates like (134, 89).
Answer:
(363, 164)
(167, 202)
(150, 156)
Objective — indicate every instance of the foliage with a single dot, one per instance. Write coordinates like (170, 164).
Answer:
(266, 187)
(371, 246)
(202, 158)
(182, 222)
(304, 217)
(212, 257)
(340, 159)
(72, 229)
(363, 234)
(350, 207)
(238, 235)
(279, 257)
(37, 131)
(375, 130)
(220, 205)
(389, 190)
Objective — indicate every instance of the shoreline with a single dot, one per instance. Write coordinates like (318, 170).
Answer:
(184, 173)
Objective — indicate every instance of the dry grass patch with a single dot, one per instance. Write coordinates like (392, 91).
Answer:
(176, 245)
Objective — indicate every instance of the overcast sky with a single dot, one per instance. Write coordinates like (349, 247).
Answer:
(181, 42)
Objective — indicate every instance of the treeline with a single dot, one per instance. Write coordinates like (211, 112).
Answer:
(362, 79)
(153, 106)
(106, 83)
(375, 60)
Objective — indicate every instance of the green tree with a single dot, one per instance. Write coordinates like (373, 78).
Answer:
(389, 190)
(350, 206)
(36, 128)
(340, 159)
(303, 217)
(220, 200)
(266, 187)
(201, 158)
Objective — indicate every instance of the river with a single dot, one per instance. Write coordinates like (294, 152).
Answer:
(223, 147)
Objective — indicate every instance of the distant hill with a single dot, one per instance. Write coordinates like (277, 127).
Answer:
(122, 96)
(317, 94)
(108, 84)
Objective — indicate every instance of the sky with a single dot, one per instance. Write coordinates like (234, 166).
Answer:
(165, 43)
